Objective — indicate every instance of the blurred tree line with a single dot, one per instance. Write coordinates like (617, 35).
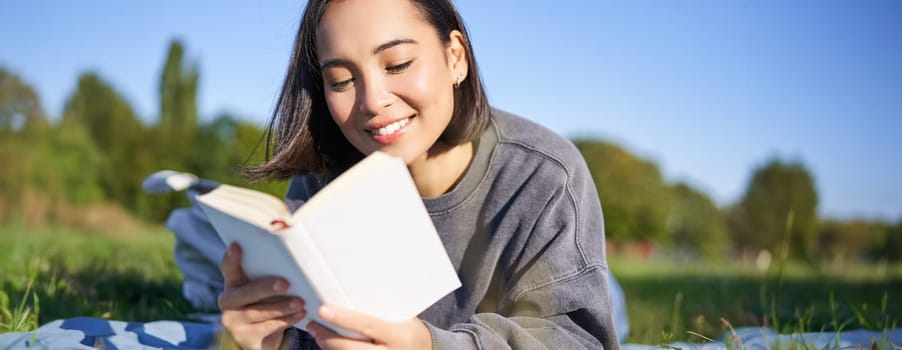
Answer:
(92, 160)
(777, 214)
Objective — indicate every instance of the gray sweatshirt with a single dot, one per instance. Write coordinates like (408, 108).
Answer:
(524, 231)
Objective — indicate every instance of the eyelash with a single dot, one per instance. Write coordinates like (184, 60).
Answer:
(340, 85)
(399, 68)
(396, 69)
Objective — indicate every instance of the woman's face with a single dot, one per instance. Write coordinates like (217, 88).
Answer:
(387, 77)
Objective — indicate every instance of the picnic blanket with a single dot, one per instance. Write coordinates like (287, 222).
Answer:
(94, 333)
(97, 333)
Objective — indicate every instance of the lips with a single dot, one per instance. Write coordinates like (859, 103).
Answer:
(388, 133)
(390, 128)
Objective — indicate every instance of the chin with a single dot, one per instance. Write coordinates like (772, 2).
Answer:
(406, 157)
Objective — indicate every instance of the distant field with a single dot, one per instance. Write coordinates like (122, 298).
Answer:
(129, 277)
(133, 277)
(666, 300)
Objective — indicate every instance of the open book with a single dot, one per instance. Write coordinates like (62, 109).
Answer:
(365, 242)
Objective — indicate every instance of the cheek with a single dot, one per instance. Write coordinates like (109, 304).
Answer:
(409, 84)
(339, 106)
(425, 87)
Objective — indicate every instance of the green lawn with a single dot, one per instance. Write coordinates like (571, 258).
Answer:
(133, 277)
(667, 300)
(129, 277)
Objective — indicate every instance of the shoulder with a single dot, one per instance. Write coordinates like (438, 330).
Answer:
(550, 189)
(301, 188)
(520, 135)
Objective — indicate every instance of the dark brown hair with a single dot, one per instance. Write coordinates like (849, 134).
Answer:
(302, 138)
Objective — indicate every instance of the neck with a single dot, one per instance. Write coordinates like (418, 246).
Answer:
(435, 175)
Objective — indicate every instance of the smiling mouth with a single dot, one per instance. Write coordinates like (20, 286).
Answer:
(390, 128)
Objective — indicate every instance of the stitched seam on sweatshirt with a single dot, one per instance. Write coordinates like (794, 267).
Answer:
(568, 186)
(482, 180)
(562, 279)
(471, 333)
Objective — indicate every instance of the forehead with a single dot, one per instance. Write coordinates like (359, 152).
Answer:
(349, 26)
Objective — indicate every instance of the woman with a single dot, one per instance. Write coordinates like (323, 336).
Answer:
(513, 203)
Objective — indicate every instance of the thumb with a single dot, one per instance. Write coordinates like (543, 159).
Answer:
(364, 324)
(232, 273)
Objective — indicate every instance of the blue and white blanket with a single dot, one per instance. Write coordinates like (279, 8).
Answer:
(94, 333)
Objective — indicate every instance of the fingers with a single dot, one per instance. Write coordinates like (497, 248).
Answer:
(260, 325)
(327, 339)
(408, 334)
(280, 324)
(366, 325)
(252, 292)
(262, 335)
(270, 309)
(255, 312)
(231, 269)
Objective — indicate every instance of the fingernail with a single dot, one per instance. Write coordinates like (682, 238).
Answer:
(326, 313)
(279, 286)
(295, 305)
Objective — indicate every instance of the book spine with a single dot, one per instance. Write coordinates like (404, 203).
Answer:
(319, 276)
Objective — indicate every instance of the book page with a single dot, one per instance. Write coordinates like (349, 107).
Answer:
(263, 253)
(243, 216)
(255, 207)
(376, 236)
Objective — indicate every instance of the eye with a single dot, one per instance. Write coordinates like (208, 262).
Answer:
(400, 68)
(341, 85)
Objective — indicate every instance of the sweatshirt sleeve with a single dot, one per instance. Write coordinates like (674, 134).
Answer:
(555, 294)
(300, 189)
(580, 328)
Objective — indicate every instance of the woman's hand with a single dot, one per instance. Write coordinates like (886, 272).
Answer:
(255, 313)
(410, 334)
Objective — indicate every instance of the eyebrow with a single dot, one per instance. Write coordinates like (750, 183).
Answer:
(390, 44)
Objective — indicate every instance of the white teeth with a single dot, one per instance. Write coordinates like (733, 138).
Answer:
(391, 128)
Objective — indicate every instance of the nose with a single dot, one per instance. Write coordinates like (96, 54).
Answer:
(373, 96)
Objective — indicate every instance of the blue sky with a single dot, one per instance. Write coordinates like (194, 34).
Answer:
(708, 90)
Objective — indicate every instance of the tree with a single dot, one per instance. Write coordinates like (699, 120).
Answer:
(113, 127)
(634, 197)
(229, 144)
(173, 137)
(178, 107)
(24, 131)
(70, 164)
(20, 108)
(892, 250)
(779, 206)
(696, 224)
(845, 241)
(44, 169)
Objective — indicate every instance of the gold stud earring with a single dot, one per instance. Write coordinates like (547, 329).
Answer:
(457, 82)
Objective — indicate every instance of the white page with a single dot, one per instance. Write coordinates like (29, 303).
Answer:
(288, 253)
(263, 253)
(378, 240)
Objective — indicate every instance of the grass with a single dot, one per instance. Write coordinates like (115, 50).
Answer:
(54, 273)
(689, 301)
(49, 274)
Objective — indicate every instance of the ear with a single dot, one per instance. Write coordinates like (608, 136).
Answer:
(456, 52)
